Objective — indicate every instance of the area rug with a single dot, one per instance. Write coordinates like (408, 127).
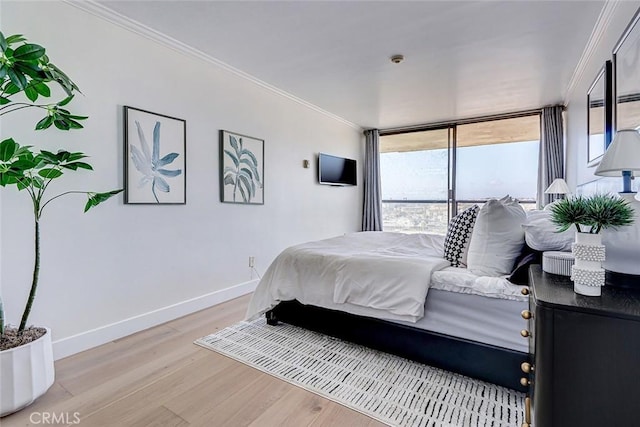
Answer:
(391, 389)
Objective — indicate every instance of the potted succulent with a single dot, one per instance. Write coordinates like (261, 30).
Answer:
(26, 358)
(590, 215)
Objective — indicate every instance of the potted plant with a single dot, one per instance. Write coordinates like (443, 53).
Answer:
(26, 357)
(590, 215)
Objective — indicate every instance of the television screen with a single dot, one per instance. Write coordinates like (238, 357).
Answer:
(334, 170)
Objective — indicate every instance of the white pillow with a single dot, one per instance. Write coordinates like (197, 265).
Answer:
(541, 234)
(497, 238)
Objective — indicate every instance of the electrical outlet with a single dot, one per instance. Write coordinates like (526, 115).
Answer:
(252, 262)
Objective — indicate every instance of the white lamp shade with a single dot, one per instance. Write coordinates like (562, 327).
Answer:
(558, 186)
(622, 155)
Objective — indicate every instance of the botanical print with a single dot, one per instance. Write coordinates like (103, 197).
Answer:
(150, 165)
(154, 173)
(242, 173)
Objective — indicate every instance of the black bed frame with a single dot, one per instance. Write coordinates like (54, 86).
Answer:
(477, 360)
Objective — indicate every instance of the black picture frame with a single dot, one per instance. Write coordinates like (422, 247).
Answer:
(155, 173)
(626, 72)
(599, 114)
(241, 169)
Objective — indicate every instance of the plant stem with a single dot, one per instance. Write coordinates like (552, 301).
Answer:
(59, 195)
(21, 106)
(36, 273)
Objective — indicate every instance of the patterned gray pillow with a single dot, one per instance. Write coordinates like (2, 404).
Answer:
(456, 242)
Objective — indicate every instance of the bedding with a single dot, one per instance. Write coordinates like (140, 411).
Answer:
(376, 274)
(494, 321)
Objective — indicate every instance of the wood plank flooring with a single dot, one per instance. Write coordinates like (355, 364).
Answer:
(158, 377)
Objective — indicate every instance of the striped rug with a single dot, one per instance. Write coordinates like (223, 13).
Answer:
(391, 389)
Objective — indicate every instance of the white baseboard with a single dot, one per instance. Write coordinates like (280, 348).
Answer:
(83, 341)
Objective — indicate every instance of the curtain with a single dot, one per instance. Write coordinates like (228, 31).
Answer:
(372, 212)
(551, 160)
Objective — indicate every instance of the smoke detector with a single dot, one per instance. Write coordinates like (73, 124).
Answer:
(396, 59)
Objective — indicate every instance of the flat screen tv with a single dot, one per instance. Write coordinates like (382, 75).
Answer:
(333, 170)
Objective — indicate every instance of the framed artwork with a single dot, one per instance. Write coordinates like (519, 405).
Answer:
(241, 169)
(599, 115)
(626, 64)
(155, 165)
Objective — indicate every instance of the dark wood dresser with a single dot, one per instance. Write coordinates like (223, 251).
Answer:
(585, 355)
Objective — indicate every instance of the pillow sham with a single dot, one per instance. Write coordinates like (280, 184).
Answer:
(541, 234)
(456, 242)
(497, 238)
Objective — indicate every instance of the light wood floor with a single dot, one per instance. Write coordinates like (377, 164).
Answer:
(158, 377)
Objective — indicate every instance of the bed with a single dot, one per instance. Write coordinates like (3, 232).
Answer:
(361, 287)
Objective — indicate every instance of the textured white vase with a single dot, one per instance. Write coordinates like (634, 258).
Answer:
(587, 272)
(26, 373)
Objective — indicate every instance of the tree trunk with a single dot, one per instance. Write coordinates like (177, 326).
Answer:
(34, 281)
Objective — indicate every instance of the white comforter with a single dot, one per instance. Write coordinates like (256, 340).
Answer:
(376, 274)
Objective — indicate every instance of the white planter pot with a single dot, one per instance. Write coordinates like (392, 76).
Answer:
(26, 373)
(587, 272)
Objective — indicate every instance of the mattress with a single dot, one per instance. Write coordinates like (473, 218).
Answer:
(495, 321)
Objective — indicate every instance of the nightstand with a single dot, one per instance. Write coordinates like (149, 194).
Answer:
(585, 354)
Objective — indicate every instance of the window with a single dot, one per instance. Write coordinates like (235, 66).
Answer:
(428, 176)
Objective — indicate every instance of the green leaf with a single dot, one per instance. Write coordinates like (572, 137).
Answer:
(16, 38)
(98, 198)
(77, 165)
(11, 89)
(32, 70)
(8, 148)
(3, 42)
(76, 156)
(50, 173)
(31, 93)
(28, 52)
(4, 101)
(74, 125)
(17, 79)
(44, 123)
(61, 124)
(3, 71)
(23, 183)
(65, 101)
(42, 89)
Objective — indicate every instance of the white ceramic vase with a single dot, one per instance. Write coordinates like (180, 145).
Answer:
(587, 272)
(26, 373)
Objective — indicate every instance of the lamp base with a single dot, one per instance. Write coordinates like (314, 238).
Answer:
(622, 280)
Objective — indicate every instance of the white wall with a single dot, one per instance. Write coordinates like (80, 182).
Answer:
(118, 267)
(576, 114)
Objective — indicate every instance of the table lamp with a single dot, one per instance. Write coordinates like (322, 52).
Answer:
(622, 158)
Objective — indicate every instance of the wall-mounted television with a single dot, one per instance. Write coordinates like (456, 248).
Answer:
(333, 170)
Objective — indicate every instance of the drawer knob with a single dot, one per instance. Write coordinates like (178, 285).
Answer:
(525, 382)
(526, 314)
(526, 367)
(525, 291)
(525, 333)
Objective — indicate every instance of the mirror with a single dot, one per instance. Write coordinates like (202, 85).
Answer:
(599, 115)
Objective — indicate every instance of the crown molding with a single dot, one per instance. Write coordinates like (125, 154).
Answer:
(598, 32)
(109, 15)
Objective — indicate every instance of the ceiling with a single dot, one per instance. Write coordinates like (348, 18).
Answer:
(462, 58)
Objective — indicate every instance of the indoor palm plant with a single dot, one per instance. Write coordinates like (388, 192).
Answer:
(27, 76)
(590, 215)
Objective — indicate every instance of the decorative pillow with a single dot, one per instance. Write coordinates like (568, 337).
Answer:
(497, 238)
(542, 235)
(456, 242)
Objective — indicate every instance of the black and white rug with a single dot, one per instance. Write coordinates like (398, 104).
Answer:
(391, 389)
